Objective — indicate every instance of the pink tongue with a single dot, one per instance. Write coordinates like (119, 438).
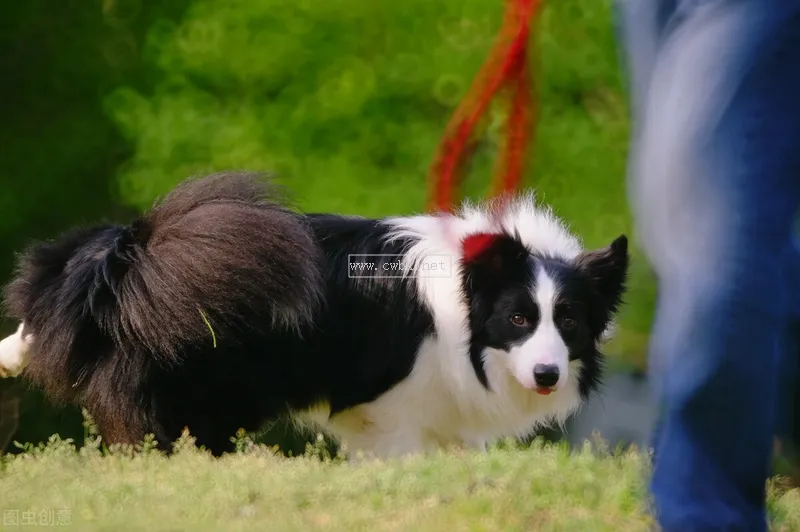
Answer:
(544, 391)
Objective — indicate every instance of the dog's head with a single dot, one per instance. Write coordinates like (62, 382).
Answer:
(539, 316)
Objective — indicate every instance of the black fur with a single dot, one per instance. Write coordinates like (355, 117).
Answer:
(125, 318)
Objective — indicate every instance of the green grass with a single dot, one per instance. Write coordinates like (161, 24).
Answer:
(540, 487)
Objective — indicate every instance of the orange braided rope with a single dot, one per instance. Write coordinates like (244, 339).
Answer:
(506, 67)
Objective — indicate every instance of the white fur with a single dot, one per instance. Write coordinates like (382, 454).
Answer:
(14, 353)
(545, 346)
(442, 403)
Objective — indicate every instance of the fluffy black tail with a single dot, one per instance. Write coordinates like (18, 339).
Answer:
(219, 256)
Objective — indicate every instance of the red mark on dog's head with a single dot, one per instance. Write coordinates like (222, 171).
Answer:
(475, 245)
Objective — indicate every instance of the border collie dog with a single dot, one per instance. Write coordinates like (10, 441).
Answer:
(222, 308)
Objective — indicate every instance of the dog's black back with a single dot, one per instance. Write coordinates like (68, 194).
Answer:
(218, 310)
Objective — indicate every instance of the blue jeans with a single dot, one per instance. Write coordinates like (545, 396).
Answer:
(714, 185)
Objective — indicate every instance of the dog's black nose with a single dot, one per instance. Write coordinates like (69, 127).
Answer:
(545, 375)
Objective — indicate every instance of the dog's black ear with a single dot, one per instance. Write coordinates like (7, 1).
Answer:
(489, 257)
(607, 271)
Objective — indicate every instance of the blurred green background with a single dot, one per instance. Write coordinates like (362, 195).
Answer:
(107, 104)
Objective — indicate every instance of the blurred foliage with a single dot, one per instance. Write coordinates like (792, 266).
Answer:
(109, 103)
(345, 99)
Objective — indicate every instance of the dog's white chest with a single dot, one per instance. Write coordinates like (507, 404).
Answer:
(426, 412)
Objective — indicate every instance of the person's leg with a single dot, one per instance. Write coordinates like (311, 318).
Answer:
(641, 26)
(715, 183)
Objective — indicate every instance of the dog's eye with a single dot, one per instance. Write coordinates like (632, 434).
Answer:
(519, 320)
(568, 323)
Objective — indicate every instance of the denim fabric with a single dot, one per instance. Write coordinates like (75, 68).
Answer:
(714, 185)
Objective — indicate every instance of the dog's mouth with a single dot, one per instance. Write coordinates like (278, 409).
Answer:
(539, 389)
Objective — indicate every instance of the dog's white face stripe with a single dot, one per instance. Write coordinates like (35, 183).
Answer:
(545, 345)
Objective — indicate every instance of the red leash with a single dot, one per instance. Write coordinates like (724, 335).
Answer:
(506, 67)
